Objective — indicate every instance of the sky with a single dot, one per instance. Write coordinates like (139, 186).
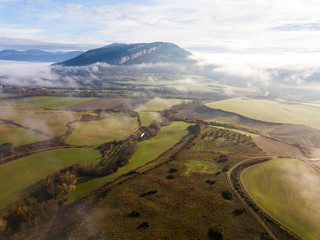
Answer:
(256, 30)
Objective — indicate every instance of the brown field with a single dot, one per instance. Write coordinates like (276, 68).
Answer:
(277, 148)
(213, 115)
(300, 134)
(110, 103)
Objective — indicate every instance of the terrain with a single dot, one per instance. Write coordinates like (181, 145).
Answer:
(37, 55)
(118, 54)
(152, 154)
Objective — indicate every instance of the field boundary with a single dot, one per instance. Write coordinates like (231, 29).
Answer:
(233, 179)
(164, 158)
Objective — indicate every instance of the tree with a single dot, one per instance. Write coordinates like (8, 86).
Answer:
(61, 185)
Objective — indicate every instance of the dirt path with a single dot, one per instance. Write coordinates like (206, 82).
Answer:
(243, 201)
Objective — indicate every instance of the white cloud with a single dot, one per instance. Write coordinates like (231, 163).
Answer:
(72, 9)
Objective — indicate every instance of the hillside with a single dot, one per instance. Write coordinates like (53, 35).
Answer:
(37, 55)
(128, 54)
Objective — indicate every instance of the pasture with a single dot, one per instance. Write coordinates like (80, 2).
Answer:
(50, 122)
(146, 151)
(102, 131)
(18, 136)
(21, 176)
(46, 102)
(287, 190)
(271, 110)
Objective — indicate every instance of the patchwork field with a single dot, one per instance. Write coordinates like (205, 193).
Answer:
(172, 205)
(271, 111)
(21, 176)
(18, 136)
(185, 84)
(146, 151)
(118, 103)
(46, 102)
(159, 104)
(98, 132)
(50, 122)
(287, 190)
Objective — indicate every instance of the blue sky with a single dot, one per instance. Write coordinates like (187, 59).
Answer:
(237, 26)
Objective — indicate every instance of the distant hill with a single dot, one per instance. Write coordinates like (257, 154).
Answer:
(37, 55)
(128, 54)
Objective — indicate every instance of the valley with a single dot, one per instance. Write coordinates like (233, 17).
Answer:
(178, 151)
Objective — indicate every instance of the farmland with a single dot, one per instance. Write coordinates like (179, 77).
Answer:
(47, 102)
(285, 189)
(21, 176)
(145, 152)
(158, 104)
(148, 117)
(18, 136)
(106, 130)
(50, 122)
(271, 111)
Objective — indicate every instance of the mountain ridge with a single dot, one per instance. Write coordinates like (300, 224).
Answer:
(36, 55)
(129, 54)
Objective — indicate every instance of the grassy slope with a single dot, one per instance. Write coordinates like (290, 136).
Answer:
(287, 190)
(271, 111)
(146, 151)
(19, 136)
(158, 104)
(48, 102)
(20, 176)
(98, 132)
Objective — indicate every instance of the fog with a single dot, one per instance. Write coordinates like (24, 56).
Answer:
(266, 73)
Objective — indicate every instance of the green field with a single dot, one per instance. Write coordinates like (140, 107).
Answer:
(200, 166)
(51, 122)
(47, 102)
(146, 151)
(159, 104)
(98, 132)
(287, 189)
(18, 136)
(148, 117)
(20, 176)
(271, 111)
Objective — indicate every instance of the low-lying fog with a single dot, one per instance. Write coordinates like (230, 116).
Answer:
(268, 73)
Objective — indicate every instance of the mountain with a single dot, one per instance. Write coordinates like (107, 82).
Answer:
(128, 54)
(37, 55)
